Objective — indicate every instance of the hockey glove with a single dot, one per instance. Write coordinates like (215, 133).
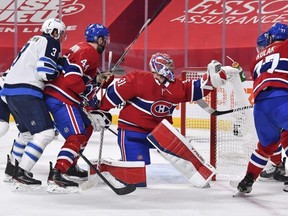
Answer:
(92, 104)
(104, 79)
(218, 75)
(209, 80)
(89, 93)
(100, 119)
(53, 76)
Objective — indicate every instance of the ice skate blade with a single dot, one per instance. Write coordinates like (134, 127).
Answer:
(8, 179)
(285, 189)
(75, 178)
(54, 188)
(17, 186)
(239, 194)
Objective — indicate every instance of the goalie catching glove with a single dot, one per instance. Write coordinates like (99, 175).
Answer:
(217, 75)
(100, 119)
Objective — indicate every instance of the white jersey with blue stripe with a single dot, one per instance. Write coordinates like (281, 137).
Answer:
(29, 70)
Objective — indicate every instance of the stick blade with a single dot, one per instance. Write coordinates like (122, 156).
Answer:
(125, 190)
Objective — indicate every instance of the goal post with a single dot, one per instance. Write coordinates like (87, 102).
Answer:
(228, 140)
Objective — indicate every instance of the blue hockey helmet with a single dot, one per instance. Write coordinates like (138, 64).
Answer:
(162, 64)
(94, 31)
(263, 40)
(278, 31)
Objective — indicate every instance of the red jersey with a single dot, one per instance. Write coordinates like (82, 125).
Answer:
(80, 68)
(270, 68)
(147, 102)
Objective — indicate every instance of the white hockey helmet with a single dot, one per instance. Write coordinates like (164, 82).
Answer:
(54, 24)
(162, 64)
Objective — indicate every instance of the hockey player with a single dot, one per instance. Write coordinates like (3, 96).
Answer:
(4, 111)
(275, 168)
(23, 90)
(151, 97)
(269, 71)
(65, 96)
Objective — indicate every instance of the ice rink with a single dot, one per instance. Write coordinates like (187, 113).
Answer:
(167, 193)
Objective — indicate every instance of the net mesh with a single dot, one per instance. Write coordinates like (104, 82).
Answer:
(233, 139)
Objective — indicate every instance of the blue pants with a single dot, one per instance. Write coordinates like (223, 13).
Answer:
(4, 111)
(270, 116)
(69, 119)
(30, 113)
(134, 146)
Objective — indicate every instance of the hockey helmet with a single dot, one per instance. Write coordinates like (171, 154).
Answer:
(262, 41)
(54, 24)
(278, 31)
(94, 31)
(162, 64)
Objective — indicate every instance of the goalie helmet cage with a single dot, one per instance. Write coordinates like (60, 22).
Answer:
(227, 141)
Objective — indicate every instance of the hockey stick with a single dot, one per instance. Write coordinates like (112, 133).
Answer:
(100, 147)
(128, 48)
(112, 131)
(214, 112)
(119, 191)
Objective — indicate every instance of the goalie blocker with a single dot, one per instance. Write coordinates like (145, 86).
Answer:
(181, 154)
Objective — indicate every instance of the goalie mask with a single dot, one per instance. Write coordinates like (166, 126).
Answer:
(162, 64)
(52, 25)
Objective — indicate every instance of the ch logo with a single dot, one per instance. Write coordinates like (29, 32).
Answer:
(161, 108)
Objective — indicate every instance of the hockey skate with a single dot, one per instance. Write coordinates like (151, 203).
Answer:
(285, 186)
(75, 172)
(22, 181)
(245, 186)
(57, 183)
(273, 172)
(9, 171)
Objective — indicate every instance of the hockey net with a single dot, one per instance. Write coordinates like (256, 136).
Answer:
(227, 141)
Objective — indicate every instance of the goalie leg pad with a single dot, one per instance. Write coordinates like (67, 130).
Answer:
(178, 151)
(127, 172)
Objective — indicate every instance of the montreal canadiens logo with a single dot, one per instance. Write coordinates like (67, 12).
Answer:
(161, 108)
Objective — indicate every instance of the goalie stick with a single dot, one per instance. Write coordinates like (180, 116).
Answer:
(119, 191)
(214, 112)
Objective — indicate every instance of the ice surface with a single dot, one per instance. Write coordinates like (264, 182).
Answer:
(167, 193)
